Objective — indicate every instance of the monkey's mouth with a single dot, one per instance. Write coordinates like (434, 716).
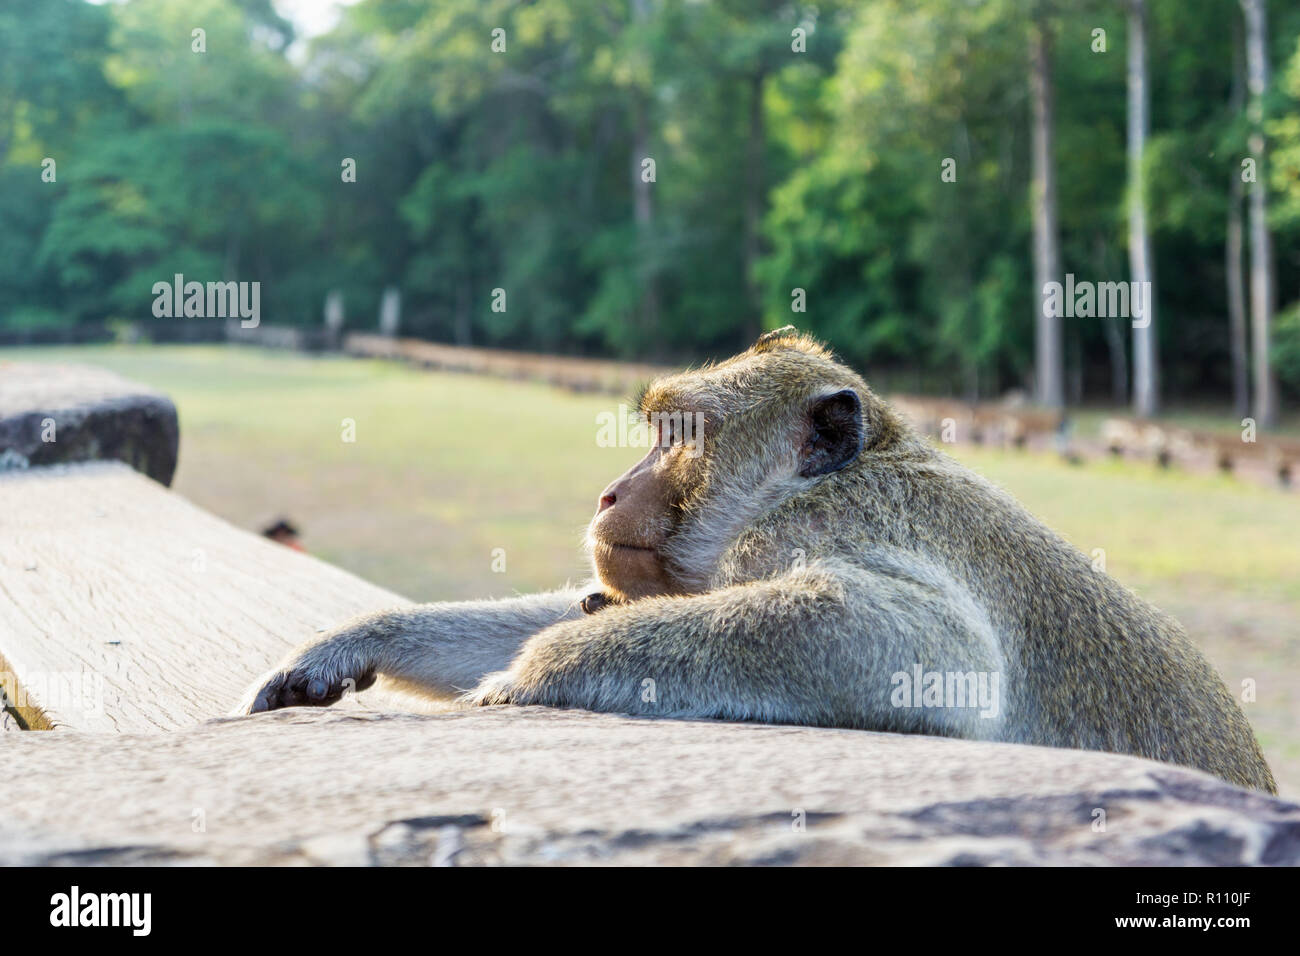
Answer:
(629, 547)
(610, 548)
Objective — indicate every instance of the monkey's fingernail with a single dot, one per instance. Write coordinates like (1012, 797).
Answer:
(317, 689)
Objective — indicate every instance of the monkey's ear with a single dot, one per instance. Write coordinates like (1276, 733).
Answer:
(836, 435)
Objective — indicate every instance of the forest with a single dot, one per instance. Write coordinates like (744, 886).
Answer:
(664, 179)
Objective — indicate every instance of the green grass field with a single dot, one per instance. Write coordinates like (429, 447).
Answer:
(446, 468)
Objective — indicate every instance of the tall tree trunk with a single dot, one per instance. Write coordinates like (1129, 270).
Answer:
(1049, 371)
(1118, 360)
(1146, 367)
(1112, 328)
(755, 177)
(1232, 251)
(1261, 252)
(959, 267)
(643, 210)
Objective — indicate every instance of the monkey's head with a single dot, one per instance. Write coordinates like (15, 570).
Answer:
(729, 443)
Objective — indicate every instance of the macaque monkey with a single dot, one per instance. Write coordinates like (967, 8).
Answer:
(802, 556)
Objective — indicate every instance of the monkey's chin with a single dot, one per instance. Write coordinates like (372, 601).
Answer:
(629, 572)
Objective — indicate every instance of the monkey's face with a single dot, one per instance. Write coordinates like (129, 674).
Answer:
(637, 514)
(728, 443)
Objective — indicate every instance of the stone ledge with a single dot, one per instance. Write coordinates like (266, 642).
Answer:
(542, 786)
(123, 607)
(97, 416)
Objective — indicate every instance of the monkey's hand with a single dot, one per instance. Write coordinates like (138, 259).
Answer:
(315, 676)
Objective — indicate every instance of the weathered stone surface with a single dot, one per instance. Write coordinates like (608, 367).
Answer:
(541, 786)
(96, 415)
(123, 607)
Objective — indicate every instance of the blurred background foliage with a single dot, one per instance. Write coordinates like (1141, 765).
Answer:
(775, 170)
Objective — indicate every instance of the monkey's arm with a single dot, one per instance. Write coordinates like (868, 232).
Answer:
(441, 649)
(820, 646)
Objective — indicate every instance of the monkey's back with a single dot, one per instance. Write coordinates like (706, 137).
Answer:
(1092, 665)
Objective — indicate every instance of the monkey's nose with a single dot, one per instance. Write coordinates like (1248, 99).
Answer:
(606, 501)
